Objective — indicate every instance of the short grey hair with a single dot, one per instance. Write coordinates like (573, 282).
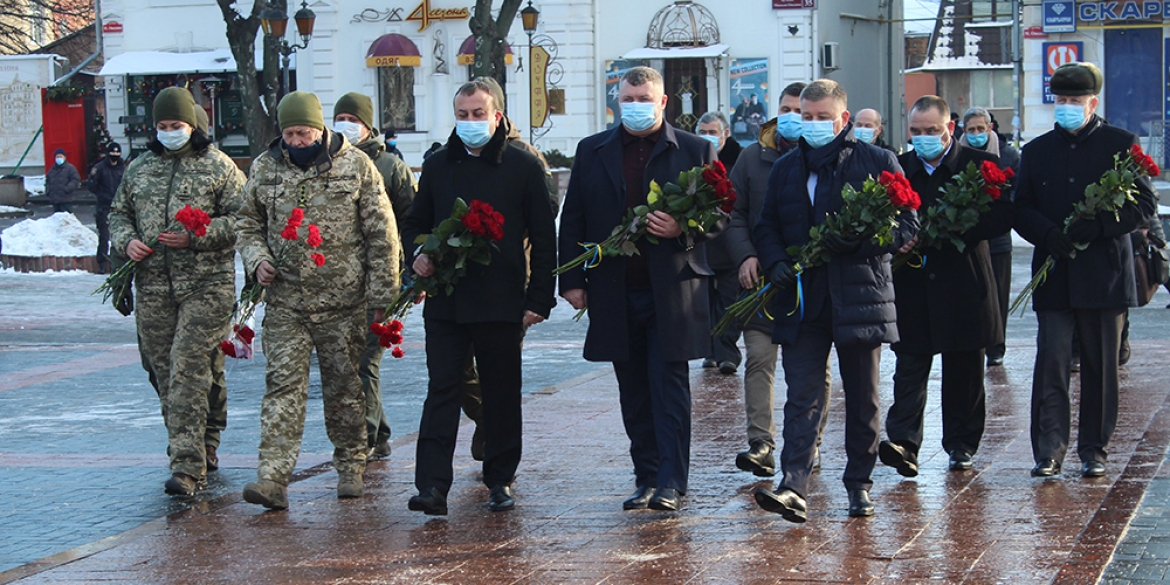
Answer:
(638, 75)
(716, 117)
(976, 112)
(491, 88)
(825, 88)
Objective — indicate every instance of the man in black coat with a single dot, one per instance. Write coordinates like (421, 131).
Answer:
(848, 302)
(1088, 293)
(491, 305)
(648, 313)
(714, 127)
(103, 181)
(946, 304)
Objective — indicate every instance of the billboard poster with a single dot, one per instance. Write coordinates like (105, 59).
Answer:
(1055, 55)
(21, 80)
(749, 98)
(614, 70)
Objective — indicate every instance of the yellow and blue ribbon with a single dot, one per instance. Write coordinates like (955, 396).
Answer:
(595, 259)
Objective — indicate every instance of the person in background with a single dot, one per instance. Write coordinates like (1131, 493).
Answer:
(392, 144)
(981, 135)
(103, 181)
(958, 125)
(714, 128)
(61, 181)
(435, 146)
(867, 127)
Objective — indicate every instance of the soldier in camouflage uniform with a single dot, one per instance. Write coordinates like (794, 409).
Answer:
(353, 117)
(185, 283)
(315, 306)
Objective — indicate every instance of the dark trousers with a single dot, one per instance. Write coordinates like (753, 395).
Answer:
(59, 207)
(1099, 340)
(656, 401)
(963, 408)
(806, 363)
(725, 291)
(1001, 270)
(497, 351)
(101, 216)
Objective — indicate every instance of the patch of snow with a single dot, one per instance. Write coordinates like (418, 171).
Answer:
(59, 234)
(14, 271)
(1164, 210)
(1019, 241)
(11, 209)
(35, 184)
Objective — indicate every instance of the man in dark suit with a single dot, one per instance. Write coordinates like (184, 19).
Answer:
(648, 313)
(491, 305)
(714, 127)
(1088, 293)
(948, 304)
(848, 302)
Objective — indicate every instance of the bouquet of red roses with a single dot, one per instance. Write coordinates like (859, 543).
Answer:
(188, 218)
(871, 213)
(957, 210)
(1113, 190)
(468, 235)
(697, 201)
(239, 341)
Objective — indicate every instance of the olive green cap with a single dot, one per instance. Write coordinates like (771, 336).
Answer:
(1076, 79)
(300, 108)
(356, 104)
(175, 103)
(201, 121)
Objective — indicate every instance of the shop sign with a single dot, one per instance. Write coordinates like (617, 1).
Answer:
(538, 60)
(112, 27)
(394, 61)
(779, 4)
(1059, 16)
(1034, 32)
(422, 14)
(1055, 55)
(1123, 10)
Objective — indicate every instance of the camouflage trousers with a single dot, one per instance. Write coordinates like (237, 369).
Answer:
(289, 338)
(216, 397)
(179, 342)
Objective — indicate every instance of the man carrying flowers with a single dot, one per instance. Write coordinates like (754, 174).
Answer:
(946, 297)
(490, 304)
(1091, 282)
(317, 230)
(172, 215)
(847, 302)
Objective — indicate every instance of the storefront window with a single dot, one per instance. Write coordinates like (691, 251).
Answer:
(396, 96)
(992, 88)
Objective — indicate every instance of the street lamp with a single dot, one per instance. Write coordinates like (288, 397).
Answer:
(529, 17)
(274, 22)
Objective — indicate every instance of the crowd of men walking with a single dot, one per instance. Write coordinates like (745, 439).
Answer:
(649, 313)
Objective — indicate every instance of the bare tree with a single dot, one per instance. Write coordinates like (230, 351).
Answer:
(26, 25)
(258, 89)
(490, 38)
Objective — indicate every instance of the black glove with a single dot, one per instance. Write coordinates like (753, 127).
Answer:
(125, 303)
(1058, 244)
(841, 245)
(1084, 230)
(782, 275)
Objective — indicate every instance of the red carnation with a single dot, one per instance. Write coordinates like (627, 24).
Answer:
(228, 348)
(289, 233)
(298, 216)
(195, 220)
(314, 240)
(377, 328)
(394, 338)
(245, 333)
(395, 326)
(318, 259)
(474, 223)
(397, 352)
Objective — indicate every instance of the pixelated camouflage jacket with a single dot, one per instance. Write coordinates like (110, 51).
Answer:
(342, 193)
(154, 188)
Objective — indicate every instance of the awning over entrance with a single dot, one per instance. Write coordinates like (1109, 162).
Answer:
(166, 63)
(393, 50)
(717, 50)
(466, 54)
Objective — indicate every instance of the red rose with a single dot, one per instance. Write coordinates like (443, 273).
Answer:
(901, 193)
(495, 232)
(1008, 173)
(318, 259)
(993, 191)
(886, 179)
(289, 233)
(314, 240)
(397, 352)
(395, 326)
(1135, 151)
(298, 216)
(497, 217)
(228, 348)
(992, 174)
(245, 333)
(474, 223)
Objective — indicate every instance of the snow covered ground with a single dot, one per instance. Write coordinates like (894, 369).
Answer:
(60, 234)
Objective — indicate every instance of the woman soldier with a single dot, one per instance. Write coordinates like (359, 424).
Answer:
(185, 278)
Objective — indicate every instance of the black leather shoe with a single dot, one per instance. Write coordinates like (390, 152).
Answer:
(640, 500)
(501, 499)
(758, 459)
(710, 363)
(994, 361)
(960, 461)
(666, 499)
(727, 368)
(859, 503)
(784, 502)
(898, 457)
(431, 503)
(1092, 469)
(1046, 468)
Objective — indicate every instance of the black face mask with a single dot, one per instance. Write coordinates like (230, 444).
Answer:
(114, 158)
(302, 156)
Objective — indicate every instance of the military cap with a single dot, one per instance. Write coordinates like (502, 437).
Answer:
(300, 108)
(175, 103)
(357, 105)
(1076, 79)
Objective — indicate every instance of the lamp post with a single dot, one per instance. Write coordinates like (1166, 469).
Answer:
(529, 17)
(274, 22)
(212, 84)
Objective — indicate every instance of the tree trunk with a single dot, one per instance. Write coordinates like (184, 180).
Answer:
(490, 38)
(258, 99)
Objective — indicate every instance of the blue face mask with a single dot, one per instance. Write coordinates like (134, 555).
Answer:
(1070, 116)
(303, 155)
(788, 125)
(863, 134)
(927, 146)
(393, 143)
(639, 116)
(977, 140)
(714, 140)
(817, 133)
(473, 133)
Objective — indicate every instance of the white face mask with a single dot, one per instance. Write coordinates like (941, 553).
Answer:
(174, 139)
(352, 131)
